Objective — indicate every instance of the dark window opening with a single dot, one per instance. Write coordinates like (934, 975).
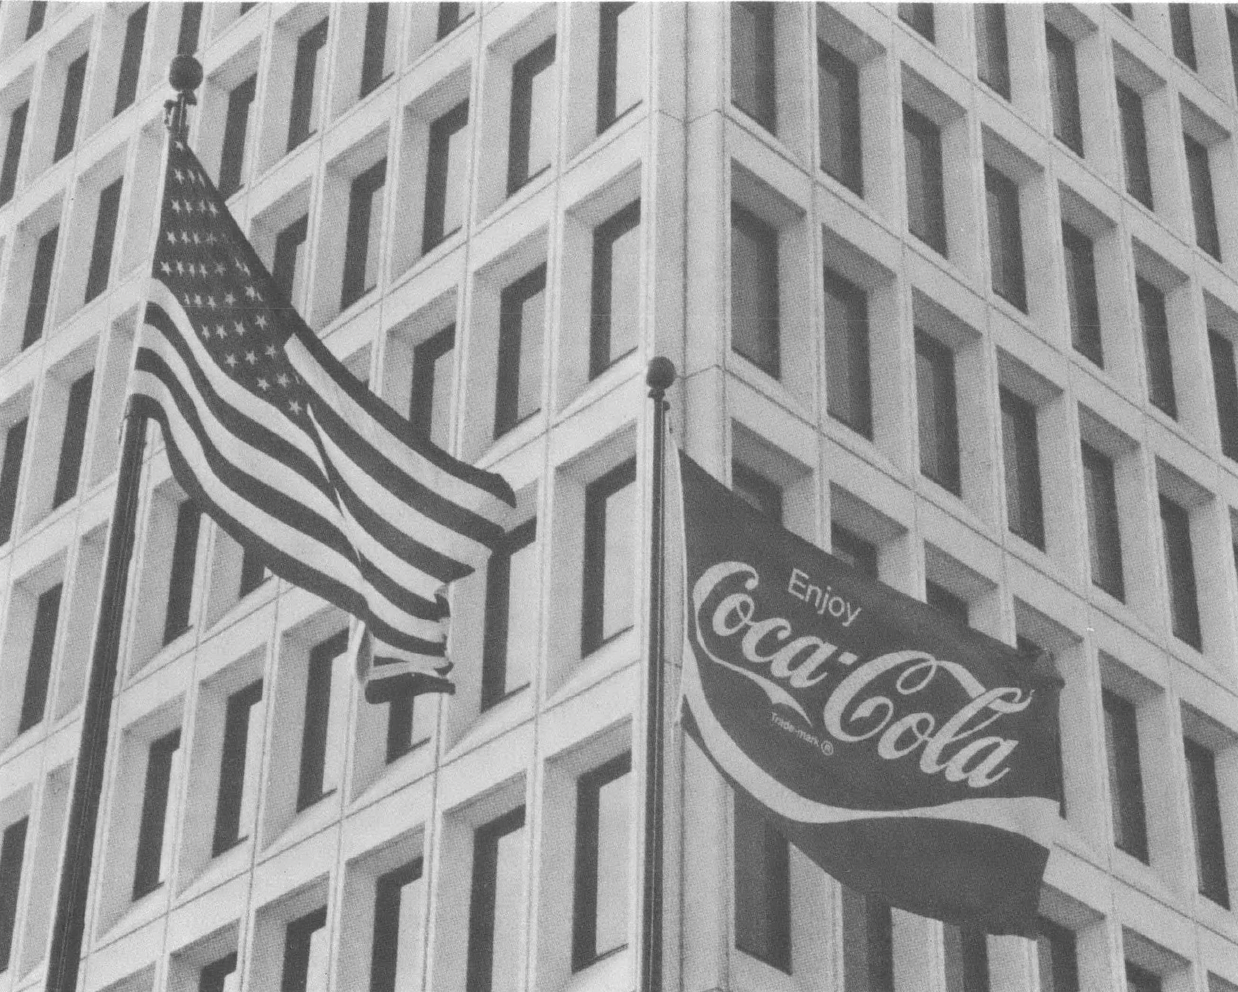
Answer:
(1203, 207)
(992, 50)
(919, 17)
(12, 854)
(432, 383)
(497, 866)
(1225, 379)
(305, 83)
(1104, 534)
(1005, 238)
(522, 329)
(39, 665)
(299, 939)
(531, 136)
(214, 977)
(40, 287)
(941, 598)
(619, 83)
(73, 442)
(848, 376)
(762, 886)
(1057, 950)
(105, 239)
(938, 417)
(762, 494)
(131, 59)
(396, 903)
(838, 105)
(606, 592)
(600, 897)
(374, 49)
(66, 132)
(184, 563)
(614, 321)
(317, 714)
(236, 130)
(1081, 295)
(148, 874)
(235, 768)
(288, 251)
(361, 248)
(754, 291)
(446, 167)
(1130, 827)
(753, 75)
(1064, 89)
(501, 674)
(1206, 823)
(1155, 325)
(190, 29)
(1135, 145)
(1021, 458)
(926, 196)
(854, 550)
(1180, 571)
(10, 476)
(1182, 34)
(34, 21)
(12, 151)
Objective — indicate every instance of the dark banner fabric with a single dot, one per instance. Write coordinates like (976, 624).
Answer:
(912, 758)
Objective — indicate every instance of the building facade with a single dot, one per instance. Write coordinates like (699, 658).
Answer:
(952, 292)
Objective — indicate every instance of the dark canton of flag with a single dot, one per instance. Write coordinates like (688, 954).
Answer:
(273, 437)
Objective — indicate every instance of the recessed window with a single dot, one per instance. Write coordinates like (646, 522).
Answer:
(522, 330)
(1231, 28)
(762, 886)
(253, 573)
(1126, 10)
(754, 290)
(534, 125)
(363, 240)
(395, 951)
(73, 442)
(847, 368)
(190, 28)
(1021, 460)
(926, 196)
(131, 58)
(12, 151)
(40, 287)
(1203, 207)
(496, 904)
(288, 269)
(10, 476)
(1005, 238)
(308, 78)
(450, 17)
(315, 730)
(757, 491)
(305, 951)
(613, 320)
(105, 238)
(12, 854)
(446, 173)
(1141, 980)
(940, 598)
(70, 106)
(621, 63)
(1182, 34)
(1057, 951)
(1134, 145)
(181, 577)
(511, 615)
(1225, 379)
(1201, 773)
(214, 976)
(1081, 294)
(838, 107)
(36, 17)
(1064, 89)
(236, 133)
(992, 52)
(1155, 323)
(1180, 572)
(937, 413)
(374, 51)
(967, 959)
(239, 765)
(154, 853)
(600, 905)
(868, 943)
(854, 550)
(753, 77)
(607, 593)
(1126, 806)
(1104, 535)
(430, 403)
(39, 665)
(919, 17)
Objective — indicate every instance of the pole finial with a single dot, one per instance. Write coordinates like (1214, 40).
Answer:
(185, 76)
(660, 376)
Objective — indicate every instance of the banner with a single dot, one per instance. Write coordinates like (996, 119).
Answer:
(912, 758)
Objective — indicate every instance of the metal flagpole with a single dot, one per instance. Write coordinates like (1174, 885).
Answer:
(660, 375)
(70, 924)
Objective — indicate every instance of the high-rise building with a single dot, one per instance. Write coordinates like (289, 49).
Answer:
(952, 292)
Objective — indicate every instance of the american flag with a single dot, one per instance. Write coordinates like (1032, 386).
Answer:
(273, 438)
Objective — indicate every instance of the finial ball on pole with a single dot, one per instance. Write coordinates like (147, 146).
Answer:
(185, 73)
(660, 375)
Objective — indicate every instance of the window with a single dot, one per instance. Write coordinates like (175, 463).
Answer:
(34, 22)
(1081, 294)
(450, 17)
(1021, 457)
(1064, 89)
(854, 550)
(847, 369)
(239, 764)
(317, 716)
(40, 287)
(1140, 979)
(307, 80)
(1130, 828)
(939, 424)
(926, 196)
(614, 323)
(12, 151)
(511, 615)
(39, 666)
(131, 58)
(10, 476)
(753, 84)
(967, 959)
(522, 326)
(374, 50)
(395, 952)
(1226, 381)
(305, 951)
(1134, 145)
(838, 92)
(1201, 772)
(1059, 959)
(534, 125)
(757, 491)
(73, 443)
(184, 564)
(1104, 536)
(1180, 571)
(600, 908)
(236, 131)
(364, 238)
(1155, 325)
(214, 977)
(919, 17)
(1203, 208)
(105, 237)
(1005, 238)
(941, 598)
(446, 174)
(497, 898)
(762, 886)
(253, 573)
(191, 27)
(754, 290)
(620, 64)
(868, 943)
(287, 272)
(1126, 10)
(430, 405)
(1231, 28)
(399, 726)
(607, 592)
(66, 132)
(1183, 36)
(12, 852)
(992, 54)
(154, 841)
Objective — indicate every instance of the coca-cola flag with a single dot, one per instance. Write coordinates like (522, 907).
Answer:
(912, 758)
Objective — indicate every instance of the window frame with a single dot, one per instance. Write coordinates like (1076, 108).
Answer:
(496, 622)
(764, 236)
(1021, 442)
(365, 188)
(1203, 203)
(993, 48)
(764, 83)
(946, 453)
(38, 301)
(1064, 89)
(70, 107)
(13, 143)
(1007, 270)
(12, 861)
(585, 874)
(311, 773)
(236, 136)
(525, 71)
(384, 947)
(156, 798)
(1180, 572)
(929, 182)
(601, 291)
(512, 300)
(131, 59)
(99, 273)
(1154, 323)
(1085, 329)
(1133, 135)
(593, 578)
(233, 764)
(37, 683)
(480, 962)
(438, 175)
(775, 869)
(1103, 521)
(301, 124)
(73, 440)
(181, 575)
(374, 43)
(1207, 829)
(1128, 811)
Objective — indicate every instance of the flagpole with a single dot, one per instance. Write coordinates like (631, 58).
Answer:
(660, 375)
(69, 927)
